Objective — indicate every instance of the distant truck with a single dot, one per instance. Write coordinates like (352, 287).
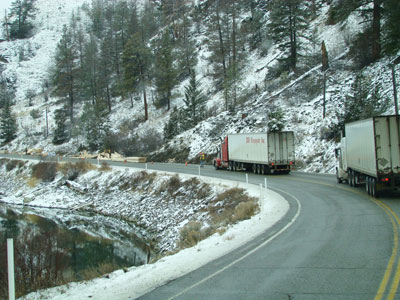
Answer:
(369, 154)
(261, 153)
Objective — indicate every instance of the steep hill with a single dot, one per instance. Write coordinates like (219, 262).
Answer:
(259, 91)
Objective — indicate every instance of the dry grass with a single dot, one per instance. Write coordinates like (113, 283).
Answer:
(45, 171)
(232, 206)
(32, 182)
(73, 170)
(105, 167)
(192, 233)
(102, 269)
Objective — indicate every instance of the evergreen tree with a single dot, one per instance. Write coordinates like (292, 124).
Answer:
(364, 101)
(289, 20)
(8, 125)
(22, 12)
(90, 70)
(66, 70)
(6, 94)
(391, 28)
(227, 43)
(276, 119)
(95, 124)
(172, 128)
(195, 103)
(136, 65)
(60, 133)
(166, 74)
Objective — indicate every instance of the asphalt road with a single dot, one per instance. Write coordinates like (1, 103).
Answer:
(343, 244)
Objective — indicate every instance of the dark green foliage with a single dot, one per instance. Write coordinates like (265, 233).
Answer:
(361, 49)
(8, 124)
(391, 28)
(95, 125)
(65, 73)
(172, 127)
(340, 10)
(60, 134)
(364, 101)
(6, 94)
(289, 21)
(22, 12)
(136, 59)
(134, 145)
(195, 104)
(166, 74)
(276, 119)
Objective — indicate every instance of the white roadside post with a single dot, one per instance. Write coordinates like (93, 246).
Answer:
(199, 171)
(247, 178)
(265, 181)
(11, 279)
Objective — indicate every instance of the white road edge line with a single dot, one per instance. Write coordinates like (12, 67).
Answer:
(248, 253)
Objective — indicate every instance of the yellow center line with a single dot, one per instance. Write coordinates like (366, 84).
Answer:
(385, 280)
(391, 214)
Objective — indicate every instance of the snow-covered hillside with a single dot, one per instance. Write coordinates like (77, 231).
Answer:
(302, 108)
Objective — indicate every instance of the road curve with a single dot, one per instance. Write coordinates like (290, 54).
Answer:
(343, 245)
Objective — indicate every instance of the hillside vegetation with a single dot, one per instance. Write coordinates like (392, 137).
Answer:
(167, 79)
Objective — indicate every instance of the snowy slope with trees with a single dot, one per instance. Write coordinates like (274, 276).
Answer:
(115, 75)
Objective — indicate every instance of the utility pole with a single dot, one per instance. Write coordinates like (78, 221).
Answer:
(392, 64)
(325, 67)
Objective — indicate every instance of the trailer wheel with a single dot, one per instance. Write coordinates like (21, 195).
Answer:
(339, 180)
(374, 191)
(368, 185)
(351, 183)
(254, 168)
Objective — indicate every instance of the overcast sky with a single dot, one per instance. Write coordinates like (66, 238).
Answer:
(4, 4)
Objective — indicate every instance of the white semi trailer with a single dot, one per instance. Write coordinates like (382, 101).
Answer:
(369, 154)
(263, 153)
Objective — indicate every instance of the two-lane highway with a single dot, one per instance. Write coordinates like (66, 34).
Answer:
(341, 244)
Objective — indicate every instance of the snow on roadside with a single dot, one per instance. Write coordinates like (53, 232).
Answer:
(140, 280)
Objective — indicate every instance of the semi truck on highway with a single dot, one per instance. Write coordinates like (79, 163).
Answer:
(262, 153)
(369, 154)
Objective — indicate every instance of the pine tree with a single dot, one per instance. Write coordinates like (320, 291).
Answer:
(195, 104)
(276, 119)
(95, 124)
(66, 70)
(60, 133)
(391, 29)
(136, 65)
(22, 12)
(172, 128)
(8, 125)
(364, 101)
(288, 23)
(166, 74)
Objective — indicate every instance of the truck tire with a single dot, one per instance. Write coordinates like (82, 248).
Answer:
(351, 182)
(374, 190)
(339, 180)
(368, 185)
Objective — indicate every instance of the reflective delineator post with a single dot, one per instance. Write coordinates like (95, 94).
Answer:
(11, 279)
(247, 178)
